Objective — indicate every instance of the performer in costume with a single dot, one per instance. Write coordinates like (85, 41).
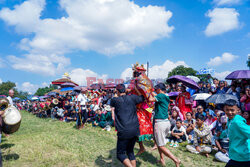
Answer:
(141, 85)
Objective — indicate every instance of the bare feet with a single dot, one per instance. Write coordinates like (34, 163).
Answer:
(207, 155)
(178, 163)
(141, 151)
(161, 161)
(154, 148)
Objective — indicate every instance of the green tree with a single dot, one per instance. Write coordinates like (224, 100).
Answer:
(22, 95)
(181, 70)
(6, 86)
(43, 91)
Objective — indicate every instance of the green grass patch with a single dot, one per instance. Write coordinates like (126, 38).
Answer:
(45, 142)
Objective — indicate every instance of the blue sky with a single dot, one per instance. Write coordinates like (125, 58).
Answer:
(42, 39)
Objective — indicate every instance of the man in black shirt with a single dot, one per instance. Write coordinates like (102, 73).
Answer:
(126, 124)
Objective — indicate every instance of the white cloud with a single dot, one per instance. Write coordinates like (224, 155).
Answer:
(222, 20)
(109, 27)
(225, 58)
(156, 71)
(48, 65)
(79, 75)
(226, 2)
(1, 63)
(1, 81)
(25, 16)
(221, 75)
(28, 87)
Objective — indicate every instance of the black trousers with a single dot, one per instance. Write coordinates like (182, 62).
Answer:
(82, 117)
(232, 163)
(182, 138)
(125, 149)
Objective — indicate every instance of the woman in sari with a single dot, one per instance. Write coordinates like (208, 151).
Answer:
(142, 85)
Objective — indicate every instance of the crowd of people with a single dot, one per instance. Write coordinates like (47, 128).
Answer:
(161, 118)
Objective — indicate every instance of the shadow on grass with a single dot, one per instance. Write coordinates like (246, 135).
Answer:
(9, 157)
(102, 161)
(111, 160)
(5, 146)
(147, 157)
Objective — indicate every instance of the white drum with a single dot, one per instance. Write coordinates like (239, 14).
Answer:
(11, 120)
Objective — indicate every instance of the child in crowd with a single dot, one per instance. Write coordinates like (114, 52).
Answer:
(174, 117)
(239, 134)
(210, 119)
(202, 137)
(187, 125)
(178, 134)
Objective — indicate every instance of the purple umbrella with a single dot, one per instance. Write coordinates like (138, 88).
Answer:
(185, 80)
(239, 74)
(51, 94)
(77, 88)
(171, 94)
(44, 97)
(68, 84)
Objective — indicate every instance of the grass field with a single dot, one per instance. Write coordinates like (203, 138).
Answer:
(46, 142)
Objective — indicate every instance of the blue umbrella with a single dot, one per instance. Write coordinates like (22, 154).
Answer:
(67, 89)
(51, 94)
(220, 98)
(77, 88)
(16, 99)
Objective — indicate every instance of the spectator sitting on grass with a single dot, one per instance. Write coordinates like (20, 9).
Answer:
(174, 117)
(178, 134)
(211, 118)
(200, 110)
(202, 137)
(91, 115)
(223, 142)
(100, 119)
(189, 129)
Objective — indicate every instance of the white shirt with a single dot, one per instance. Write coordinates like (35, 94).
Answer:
(182, 129)
(10, 100)
(82, 99)
(96, 107)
